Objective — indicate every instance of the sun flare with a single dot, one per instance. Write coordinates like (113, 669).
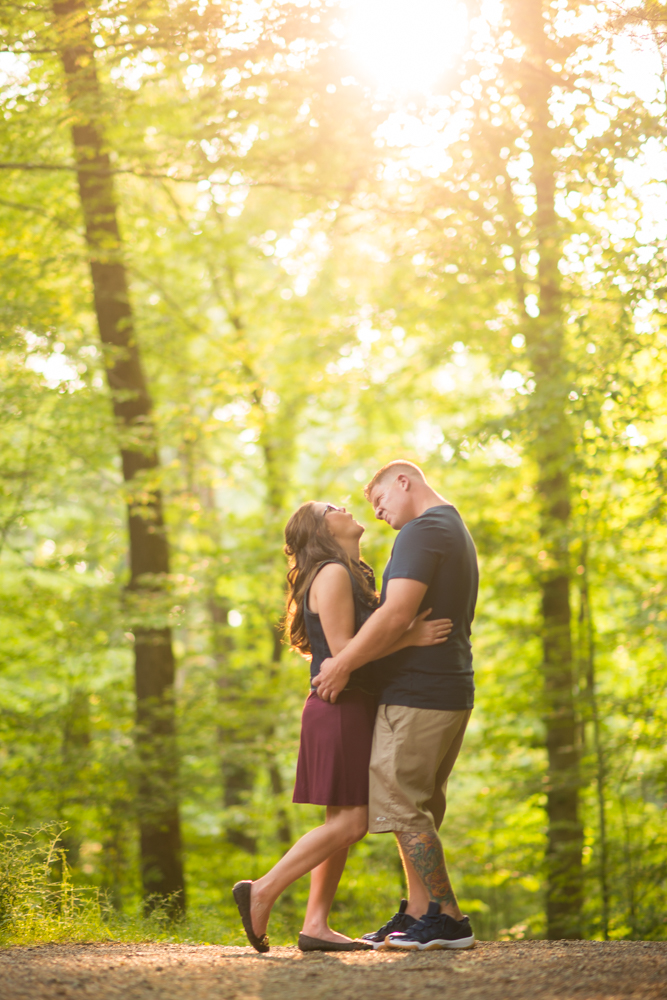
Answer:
(406, 45)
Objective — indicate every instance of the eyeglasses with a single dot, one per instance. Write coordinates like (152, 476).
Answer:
(329, 507)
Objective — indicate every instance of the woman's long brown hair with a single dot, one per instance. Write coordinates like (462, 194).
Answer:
(307, 545)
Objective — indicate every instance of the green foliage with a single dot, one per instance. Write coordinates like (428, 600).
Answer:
(37, 899)
(312, 301)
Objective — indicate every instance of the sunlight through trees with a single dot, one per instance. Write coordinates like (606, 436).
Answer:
(251, 251)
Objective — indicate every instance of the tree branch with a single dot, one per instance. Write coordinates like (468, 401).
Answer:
(30, 52)
(154, 175)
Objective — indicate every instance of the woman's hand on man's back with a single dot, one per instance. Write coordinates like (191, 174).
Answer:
(427, 633)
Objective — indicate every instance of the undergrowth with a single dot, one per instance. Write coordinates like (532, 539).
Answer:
(39, 902)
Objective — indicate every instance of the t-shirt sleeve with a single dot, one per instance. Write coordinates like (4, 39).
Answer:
(417, 553)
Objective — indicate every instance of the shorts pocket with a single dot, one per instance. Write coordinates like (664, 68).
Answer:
(390, 716)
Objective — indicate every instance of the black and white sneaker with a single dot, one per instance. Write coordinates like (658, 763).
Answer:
(400, 921)
(434, 930)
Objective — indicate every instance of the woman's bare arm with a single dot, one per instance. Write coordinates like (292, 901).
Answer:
(331, 598)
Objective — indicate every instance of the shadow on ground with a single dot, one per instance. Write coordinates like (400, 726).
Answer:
(589, 970)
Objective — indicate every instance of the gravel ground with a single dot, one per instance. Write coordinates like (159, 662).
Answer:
(587, 970)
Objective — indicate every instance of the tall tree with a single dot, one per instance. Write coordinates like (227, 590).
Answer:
(497, 222)
(159, 825)
(400, 340)
(552, 446)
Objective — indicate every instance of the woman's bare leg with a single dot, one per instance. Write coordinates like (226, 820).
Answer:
(344, 825)
(323, 885)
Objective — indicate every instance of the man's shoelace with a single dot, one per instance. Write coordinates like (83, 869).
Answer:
(395, 921)
(423, 924)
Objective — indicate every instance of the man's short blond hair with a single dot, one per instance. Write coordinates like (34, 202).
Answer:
(396, 468)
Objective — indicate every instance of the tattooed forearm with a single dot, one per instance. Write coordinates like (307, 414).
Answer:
(425, 852)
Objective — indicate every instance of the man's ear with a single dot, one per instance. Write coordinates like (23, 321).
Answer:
(403, 481)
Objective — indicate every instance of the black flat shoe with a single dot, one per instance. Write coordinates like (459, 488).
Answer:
(317, 944)
(241, 893)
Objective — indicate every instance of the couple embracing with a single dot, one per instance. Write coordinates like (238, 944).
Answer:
(391, 694)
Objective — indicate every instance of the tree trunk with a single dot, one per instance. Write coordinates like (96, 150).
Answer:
(284, 827)
(159, 827)
(238, 776)
(278, 452)
(587, 640)
(74, 781)
(553, 452)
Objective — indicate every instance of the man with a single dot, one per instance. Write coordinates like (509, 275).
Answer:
(426, 696)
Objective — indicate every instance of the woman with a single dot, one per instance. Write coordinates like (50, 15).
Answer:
(331, 593)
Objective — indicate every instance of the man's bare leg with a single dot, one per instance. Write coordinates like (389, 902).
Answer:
(418, 898)
(426, 872)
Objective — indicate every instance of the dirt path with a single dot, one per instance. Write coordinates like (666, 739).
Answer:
(585, 970)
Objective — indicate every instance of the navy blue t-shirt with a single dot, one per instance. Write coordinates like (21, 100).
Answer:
(436, 549)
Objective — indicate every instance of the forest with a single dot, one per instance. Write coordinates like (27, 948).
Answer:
(251, 251)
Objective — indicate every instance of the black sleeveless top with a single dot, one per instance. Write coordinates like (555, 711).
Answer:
(363, 677)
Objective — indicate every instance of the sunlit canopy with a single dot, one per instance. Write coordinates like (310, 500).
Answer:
(406, 44)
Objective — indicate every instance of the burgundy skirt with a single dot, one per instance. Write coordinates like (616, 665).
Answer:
(335, 750)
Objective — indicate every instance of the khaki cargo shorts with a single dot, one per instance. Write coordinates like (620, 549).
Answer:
(414, 751)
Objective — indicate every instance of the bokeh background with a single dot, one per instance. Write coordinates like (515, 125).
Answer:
(351, 232)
